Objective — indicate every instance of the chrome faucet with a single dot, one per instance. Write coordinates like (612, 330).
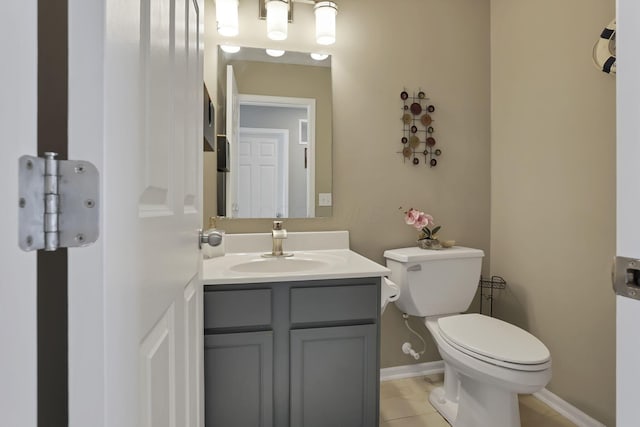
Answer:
(278, 234)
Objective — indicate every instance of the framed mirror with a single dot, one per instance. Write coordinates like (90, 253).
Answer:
(275, 121)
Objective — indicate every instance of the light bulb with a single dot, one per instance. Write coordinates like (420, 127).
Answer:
(319, 56)
(230, 48)
(274, 52)
(227, 17)
(326, 12)
(277, 17)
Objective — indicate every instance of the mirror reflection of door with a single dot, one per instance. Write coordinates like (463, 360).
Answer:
(262, 181)
(274, 168)
(233, 129)
(294, 79)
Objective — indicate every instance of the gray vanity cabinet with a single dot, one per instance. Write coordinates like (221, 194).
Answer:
(241, 367)
(292, 354)
(333, 374)
(238, 358)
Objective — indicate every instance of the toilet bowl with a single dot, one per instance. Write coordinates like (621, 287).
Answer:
(483, 383)
(488, 362)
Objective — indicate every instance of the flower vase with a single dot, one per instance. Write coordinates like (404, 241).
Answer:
(429, 244)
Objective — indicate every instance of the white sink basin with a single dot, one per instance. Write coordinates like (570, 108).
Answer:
(274, 265)
(316, 256)
(299, 262)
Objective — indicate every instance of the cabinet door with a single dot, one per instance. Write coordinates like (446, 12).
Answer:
(238, 372)
(334, 376)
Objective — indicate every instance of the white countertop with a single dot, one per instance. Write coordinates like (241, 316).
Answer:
(327, 254)
(217, 271)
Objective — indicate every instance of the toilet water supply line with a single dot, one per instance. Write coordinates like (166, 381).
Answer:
(406, 347)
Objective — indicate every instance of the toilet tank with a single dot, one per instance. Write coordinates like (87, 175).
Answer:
(435, 282)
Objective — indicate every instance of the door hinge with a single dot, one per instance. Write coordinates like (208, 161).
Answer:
(58, 203)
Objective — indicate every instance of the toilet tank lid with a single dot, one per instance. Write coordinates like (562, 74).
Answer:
(416, 254)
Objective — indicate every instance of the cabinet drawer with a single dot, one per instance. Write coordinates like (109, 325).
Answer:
(232, 309)
(334, 303)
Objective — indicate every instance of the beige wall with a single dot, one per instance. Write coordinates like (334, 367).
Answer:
(553, 189)
(441, 47)
(552, 183)
(552, 164)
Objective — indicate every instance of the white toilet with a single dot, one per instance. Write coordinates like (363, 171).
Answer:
(487, 361)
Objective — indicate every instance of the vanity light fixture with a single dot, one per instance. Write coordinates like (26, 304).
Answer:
(230, 48)
(276, 53)
(277, 17)
(319, 56)
(279, 12)
(325, 12)
(227, 17)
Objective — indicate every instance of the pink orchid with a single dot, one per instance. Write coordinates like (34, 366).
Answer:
(424, 220)
(412, 216)
(418, 219)
(421, 221)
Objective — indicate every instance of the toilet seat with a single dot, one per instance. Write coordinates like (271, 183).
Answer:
(494, 341)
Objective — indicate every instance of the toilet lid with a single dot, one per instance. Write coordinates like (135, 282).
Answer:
(493, 339)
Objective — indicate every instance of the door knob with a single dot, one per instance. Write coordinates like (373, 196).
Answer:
(211, 237)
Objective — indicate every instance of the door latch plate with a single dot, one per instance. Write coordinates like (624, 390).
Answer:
(626, 277)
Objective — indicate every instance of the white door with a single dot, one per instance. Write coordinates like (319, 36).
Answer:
(18, 107)
(628, 207)
(263, 173)
(233, 130)
(135, 97)
(282, 109)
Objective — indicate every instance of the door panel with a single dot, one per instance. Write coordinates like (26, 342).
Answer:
(192, 188)
(262, 183)
(193, 354)
(136, 77)
(18, 108)
(628, 205)
(157, 370)
(87, 382)
(157, 86)
(233, 131)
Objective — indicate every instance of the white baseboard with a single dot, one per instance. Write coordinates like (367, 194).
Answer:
(567, 410)
(561, 406)
(408, 371)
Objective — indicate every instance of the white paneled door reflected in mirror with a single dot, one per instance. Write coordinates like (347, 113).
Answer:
(276, 116)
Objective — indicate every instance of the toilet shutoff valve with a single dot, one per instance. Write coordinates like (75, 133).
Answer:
(406, 349)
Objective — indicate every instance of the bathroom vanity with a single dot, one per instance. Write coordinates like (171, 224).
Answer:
(292, 341)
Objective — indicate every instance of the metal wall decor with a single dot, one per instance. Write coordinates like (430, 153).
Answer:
(418, 141)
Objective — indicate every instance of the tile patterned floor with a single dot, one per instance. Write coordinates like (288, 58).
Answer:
(404, 403)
